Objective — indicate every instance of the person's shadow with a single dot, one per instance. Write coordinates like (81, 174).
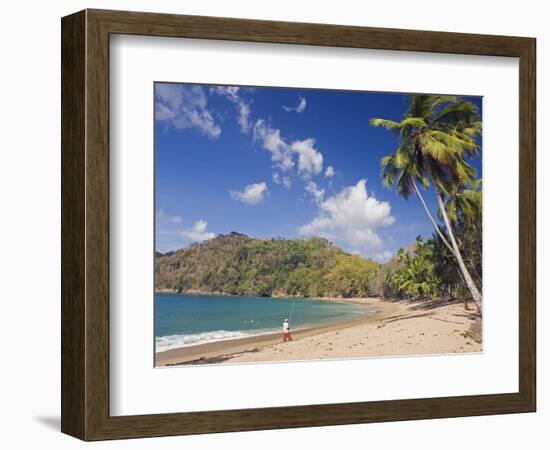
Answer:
(52, 422)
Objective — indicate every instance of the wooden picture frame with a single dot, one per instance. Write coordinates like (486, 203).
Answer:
(85, 224)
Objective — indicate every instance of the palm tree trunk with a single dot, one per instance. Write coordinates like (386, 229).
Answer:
(476, 295)
(431, 217)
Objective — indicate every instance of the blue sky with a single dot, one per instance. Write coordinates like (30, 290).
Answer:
(272, 162)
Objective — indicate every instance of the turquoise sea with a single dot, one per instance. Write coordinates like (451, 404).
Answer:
(184, 320)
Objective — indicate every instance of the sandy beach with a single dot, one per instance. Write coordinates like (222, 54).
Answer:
(397, 328)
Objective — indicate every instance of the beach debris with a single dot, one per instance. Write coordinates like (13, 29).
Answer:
(467, 334)
(476, 331)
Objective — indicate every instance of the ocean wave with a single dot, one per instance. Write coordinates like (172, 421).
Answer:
(163, 343)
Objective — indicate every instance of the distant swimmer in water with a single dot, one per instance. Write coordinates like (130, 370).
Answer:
(286, 331)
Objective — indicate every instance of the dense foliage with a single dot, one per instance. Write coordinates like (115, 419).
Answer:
(417, 275)
(239, 265)
(437, 138)
(236, 264)
(428, 270)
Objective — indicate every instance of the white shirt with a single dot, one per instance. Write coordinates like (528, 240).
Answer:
(285, 327)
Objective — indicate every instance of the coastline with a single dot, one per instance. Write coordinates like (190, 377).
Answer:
(352, 300)
(397, 328)
(222, 350)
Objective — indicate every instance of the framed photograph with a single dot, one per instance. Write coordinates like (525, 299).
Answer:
(273, 225)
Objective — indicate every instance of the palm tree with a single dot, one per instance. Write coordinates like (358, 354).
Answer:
(417, 277)
(464, 203)
(464, 209)
(437, 135)
(402, 255)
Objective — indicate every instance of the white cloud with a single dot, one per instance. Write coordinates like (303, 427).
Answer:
(252, 194)
(383, 256)
(243, 108)
(278, 179)
(310, 160)
(329, 173)
(271, 140)
(163, 218)
(300, 108)
(351, 218)
(230, 91)
(159, 215)
(244, 114)
(163, 112)
(315, 191)
(182, 106)
(198, 233)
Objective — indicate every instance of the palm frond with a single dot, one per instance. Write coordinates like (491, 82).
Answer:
(457, 111)
(413, 122)
(436, 149)
(454, 141)
(440, 100)
(385, 123)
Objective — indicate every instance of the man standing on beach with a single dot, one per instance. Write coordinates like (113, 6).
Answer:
(286, 331)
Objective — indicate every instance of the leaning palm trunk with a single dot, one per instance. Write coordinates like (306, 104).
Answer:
(476, 295)
(432, 220)
(453, 247)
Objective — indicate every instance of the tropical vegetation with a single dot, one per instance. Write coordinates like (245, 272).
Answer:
(236, 264)
(437, 137)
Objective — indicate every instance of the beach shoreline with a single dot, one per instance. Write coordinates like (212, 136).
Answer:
(396, 328)
(352, 300)
(217, 350)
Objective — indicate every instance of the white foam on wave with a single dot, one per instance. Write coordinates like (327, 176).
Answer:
(163, 343)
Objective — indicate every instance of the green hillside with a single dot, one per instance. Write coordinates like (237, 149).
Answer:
(236, 264)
